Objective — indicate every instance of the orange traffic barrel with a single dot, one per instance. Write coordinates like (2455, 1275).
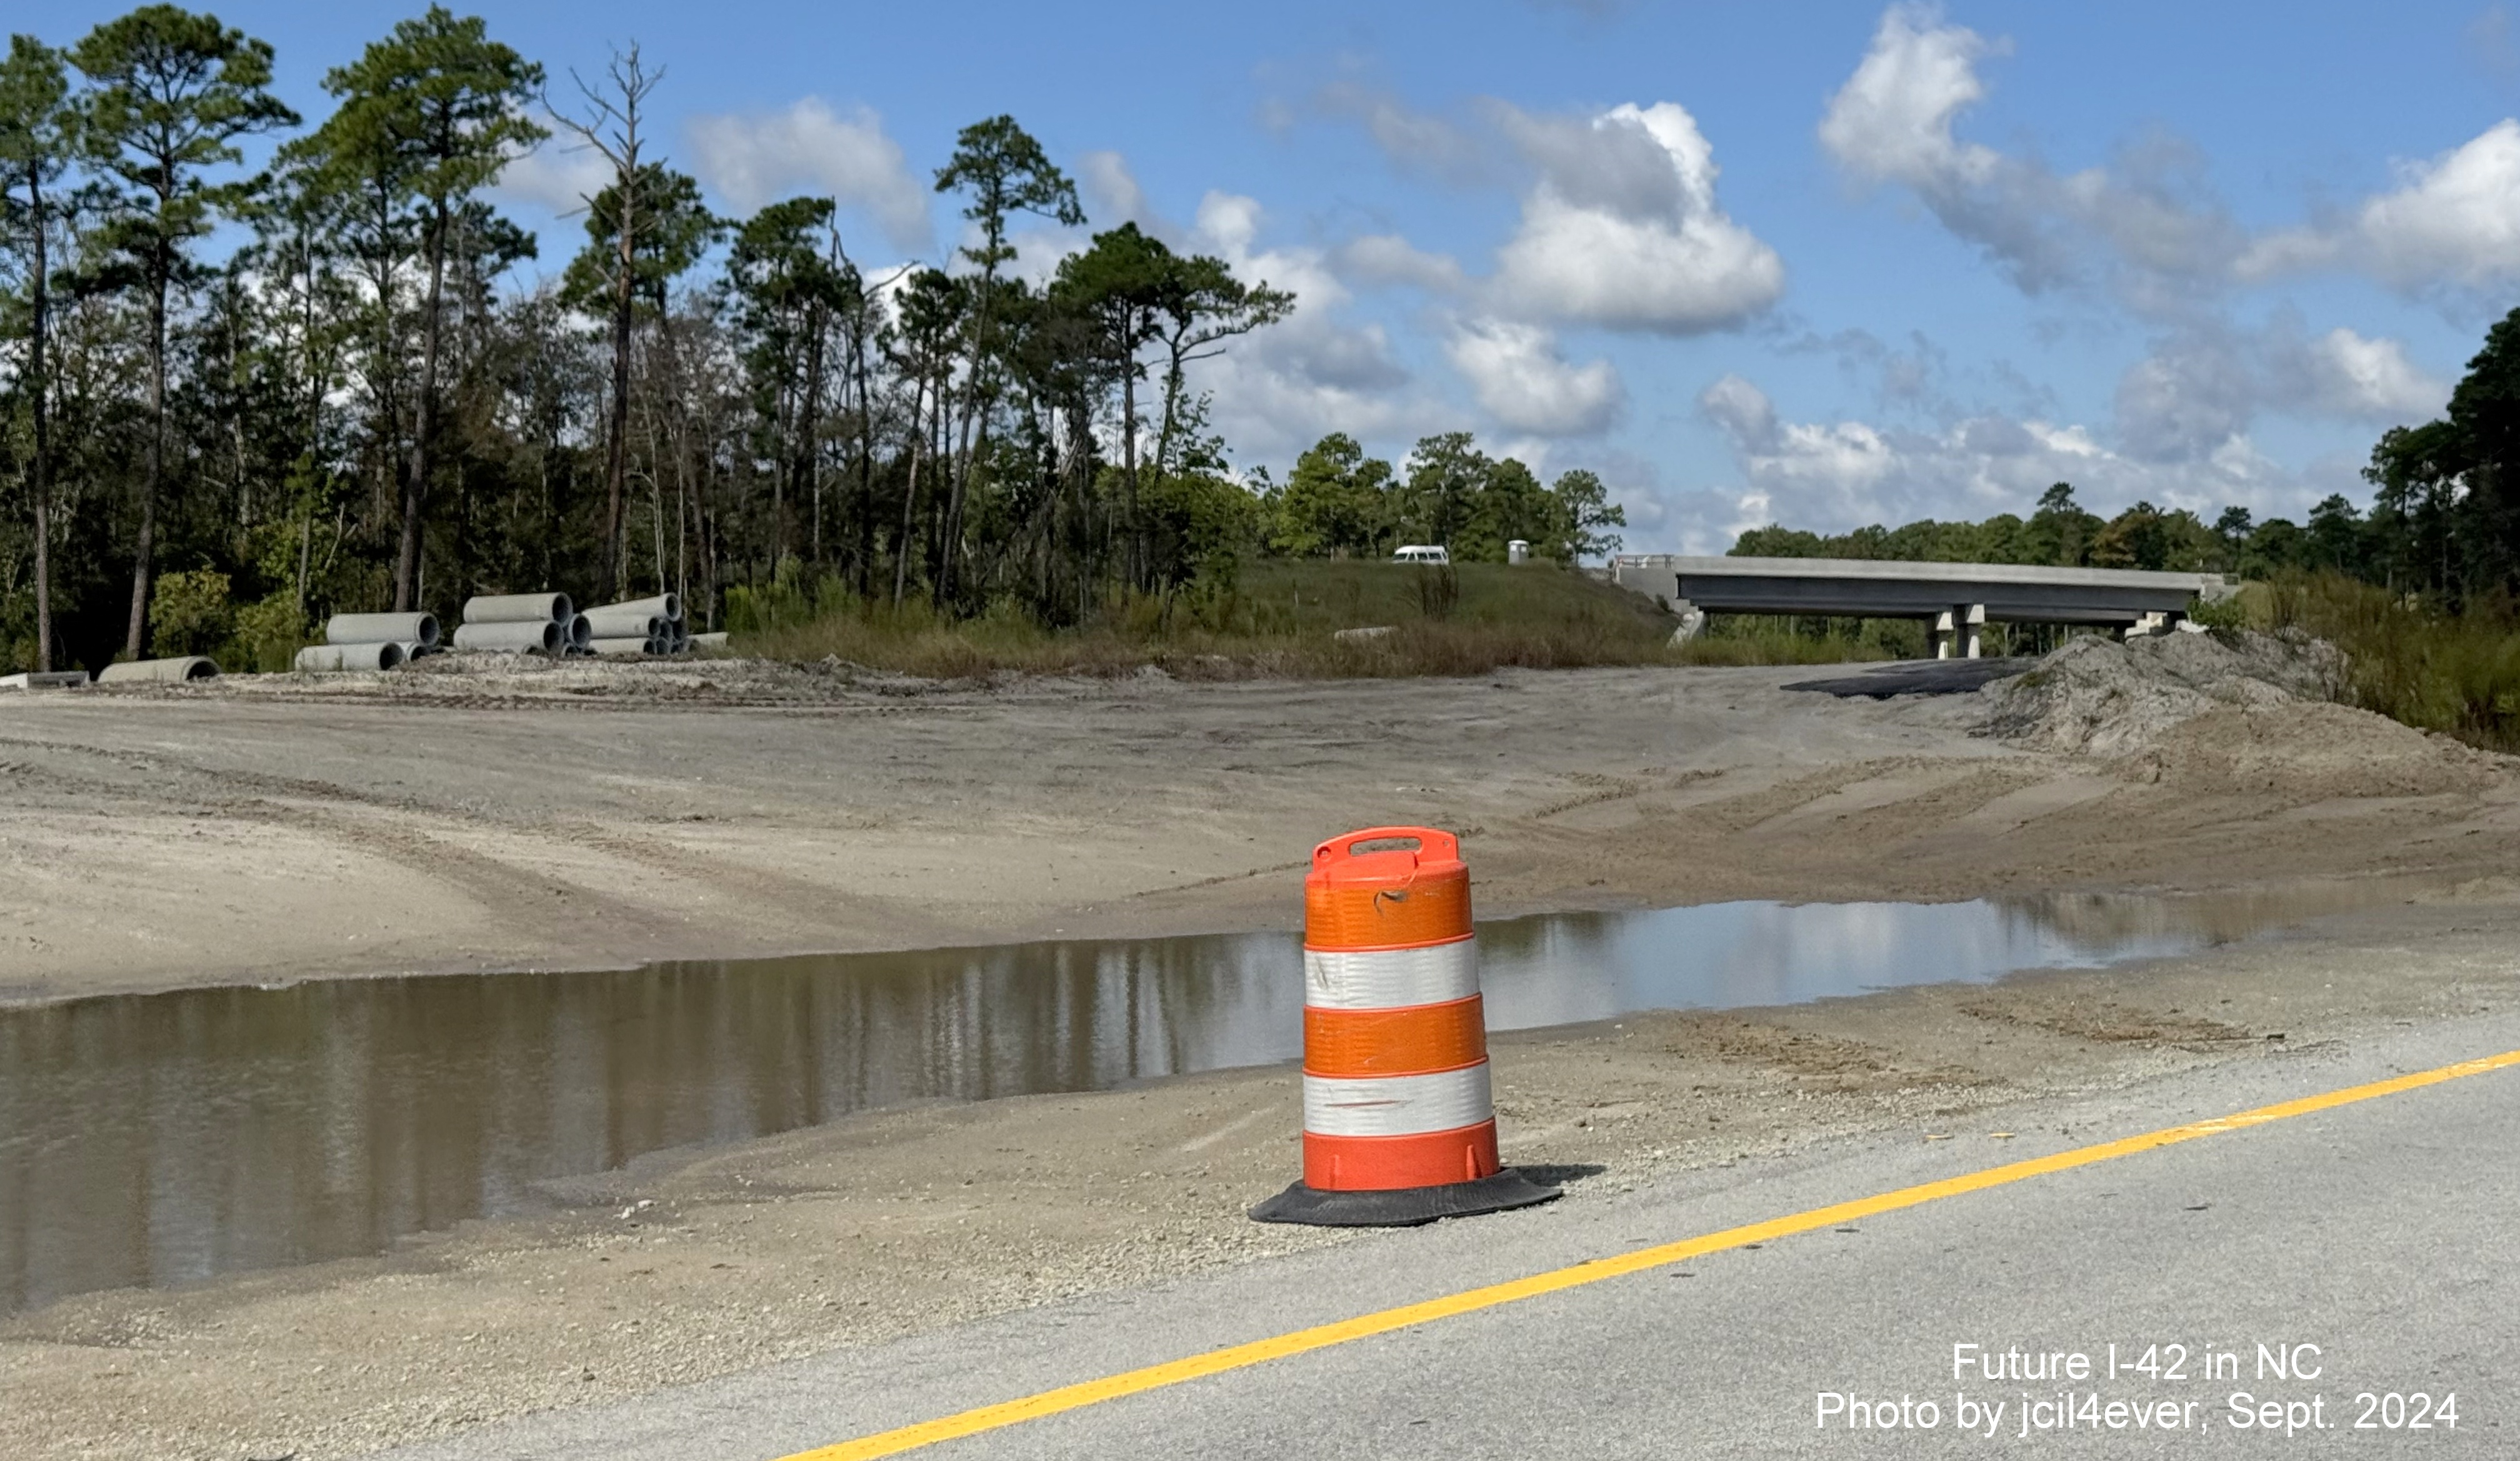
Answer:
(1399, 1124)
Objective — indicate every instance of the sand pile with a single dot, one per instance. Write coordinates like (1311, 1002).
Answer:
(2102, 698)
(2226, 711)
(2308, 751)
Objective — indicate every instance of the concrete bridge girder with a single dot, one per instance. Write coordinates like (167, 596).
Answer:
(1955, 600)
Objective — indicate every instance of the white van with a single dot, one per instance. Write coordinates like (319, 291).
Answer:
(1421, 553)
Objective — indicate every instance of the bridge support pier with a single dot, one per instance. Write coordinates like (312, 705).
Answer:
(1963, 624)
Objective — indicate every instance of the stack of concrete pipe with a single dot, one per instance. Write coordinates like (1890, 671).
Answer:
(639, 626)
(522, 624)
(546, 625)
(370, 641)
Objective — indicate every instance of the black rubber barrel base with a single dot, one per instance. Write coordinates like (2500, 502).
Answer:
(1402, 1206)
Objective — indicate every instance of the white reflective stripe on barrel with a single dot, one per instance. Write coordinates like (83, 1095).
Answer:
(1397, 1105)
(1388, 979)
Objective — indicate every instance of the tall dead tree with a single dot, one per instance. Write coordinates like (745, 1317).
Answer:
(609, 126)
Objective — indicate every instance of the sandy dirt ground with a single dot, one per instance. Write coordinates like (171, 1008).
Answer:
(601, 817)
(253, 833)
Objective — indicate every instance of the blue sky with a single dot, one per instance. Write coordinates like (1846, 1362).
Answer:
(1823, 263)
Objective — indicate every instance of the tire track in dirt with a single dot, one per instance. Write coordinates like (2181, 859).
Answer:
(434, 849)
(503, 887)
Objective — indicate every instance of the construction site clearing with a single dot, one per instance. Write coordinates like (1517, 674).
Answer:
(519, 815)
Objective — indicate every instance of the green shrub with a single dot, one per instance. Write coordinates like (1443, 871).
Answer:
(189, 614)
(2237, 610)
(269, 634)
(781, 603)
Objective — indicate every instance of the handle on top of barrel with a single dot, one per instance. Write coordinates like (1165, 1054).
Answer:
(1433, 844)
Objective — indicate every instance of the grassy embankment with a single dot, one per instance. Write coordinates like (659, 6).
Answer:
(1281, 619)
(2457, 673)
(2412, 661)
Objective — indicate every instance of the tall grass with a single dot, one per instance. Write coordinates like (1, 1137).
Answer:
(2416, 663)
(1278, 618)
(2411, 660)
(1763, 639)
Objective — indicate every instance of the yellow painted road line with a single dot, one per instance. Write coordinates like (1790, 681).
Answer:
(1321, 1337)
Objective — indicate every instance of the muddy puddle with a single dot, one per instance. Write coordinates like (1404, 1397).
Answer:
(167, 1138)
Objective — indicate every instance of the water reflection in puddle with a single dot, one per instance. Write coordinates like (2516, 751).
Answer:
(166, 1138)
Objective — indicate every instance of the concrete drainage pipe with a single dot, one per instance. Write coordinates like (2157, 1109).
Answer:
(378, 628)
(611, 622)
(164, 672)
(543, 637)
(662, 606)
(518, 609)
(329, 659)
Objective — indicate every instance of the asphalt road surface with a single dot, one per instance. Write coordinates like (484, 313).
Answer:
(2323, 1263)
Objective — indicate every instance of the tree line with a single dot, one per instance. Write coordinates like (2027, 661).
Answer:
(236, 399)
(2443, 521)
(1340, 503)
(2445, 516)
(2061, 533)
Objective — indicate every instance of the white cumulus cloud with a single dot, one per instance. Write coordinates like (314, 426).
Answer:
(2193, 393)
(1387, 259)
(1112, 195)
(1894, 122)
(755, 160)
(1834, 476)
(2200, 387)
(1280, 389)
(1521, 379)
(556, 176)
(1622, 228)
(2354, 375)
(2451, 220)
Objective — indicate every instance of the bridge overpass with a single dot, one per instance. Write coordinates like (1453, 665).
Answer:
(1956, 599)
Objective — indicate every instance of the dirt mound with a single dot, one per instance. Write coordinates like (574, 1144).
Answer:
(2102, 698)
(2226, 712)
(2310, 751)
